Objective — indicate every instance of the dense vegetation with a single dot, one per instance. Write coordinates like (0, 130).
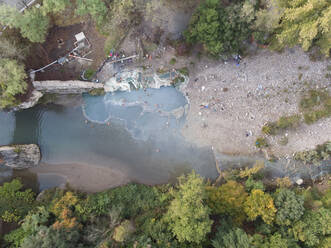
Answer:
(223, 28)
(242, 211)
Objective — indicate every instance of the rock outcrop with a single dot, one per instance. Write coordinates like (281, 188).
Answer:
(20, 156)
(32, 101)
(66, 87)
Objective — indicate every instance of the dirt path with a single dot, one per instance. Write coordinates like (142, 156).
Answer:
(242, 98)
(87, 178)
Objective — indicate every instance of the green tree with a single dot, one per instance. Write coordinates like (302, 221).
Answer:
(228, 199)
(305, 23)
(289, 207)
(96, 8)
(260, 204)
(313, 228)
(231, 237)
(205, 27)
(14, 202)
(34, 25)
(12, 82)
(187, 215)
(220, 29)
(9, 16)
(54, 6)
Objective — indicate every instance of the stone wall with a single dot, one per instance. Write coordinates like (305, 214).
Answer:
(66, 87)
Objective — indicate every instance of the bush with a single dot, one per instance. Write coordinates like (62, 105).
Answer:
(183, 71)
(123, 231)
(261, 142)
(283, 123)
(320, 153)
(172, 61)
(251, 184)
(97, 92)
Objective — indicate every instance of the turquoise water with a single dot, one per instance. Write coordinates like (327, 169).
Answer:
(136, 128)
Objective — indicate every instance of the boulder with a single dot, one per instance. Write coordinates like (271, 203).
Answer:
(32, 101)
(20, 156)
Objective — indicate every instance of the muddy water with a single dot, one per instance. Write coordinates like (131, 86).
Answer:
(140, 129)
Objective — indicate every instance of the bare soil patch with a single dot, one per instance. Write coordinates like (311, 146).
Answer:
(59, 42)
(87, 178)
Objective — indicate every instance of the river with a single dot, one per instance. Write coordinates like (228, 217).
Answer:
(139, 128)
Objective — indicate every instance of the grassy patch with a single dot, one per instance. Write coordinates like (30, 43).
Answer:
(89, 74)
(284, 123)
(315, 106)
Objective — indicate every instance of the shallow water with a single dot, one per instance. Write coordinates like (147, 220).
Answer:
(140, 129)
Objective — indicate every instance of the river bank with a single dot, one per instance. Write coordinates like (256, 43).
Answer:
(230, 103)
(85, 177)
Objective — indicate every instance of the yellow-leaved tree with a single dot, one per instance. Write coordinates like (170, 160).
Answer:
(260, 204)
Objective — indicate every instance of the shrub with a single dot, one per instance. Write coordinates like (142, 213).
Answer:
(283, 123)
(312, 99)
(97, 92)
(184, 71)
(188, 217)
(260, 204)
(172, 61)
(228, 199)
(261, 142)
(289, 207)
(284, 182)
(15, 203)
(320, 153)
(123, 231)
(251, 184)
(254, 171)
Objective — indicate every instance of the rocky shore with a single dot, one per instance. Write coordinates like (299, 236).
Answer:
(20, 156)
